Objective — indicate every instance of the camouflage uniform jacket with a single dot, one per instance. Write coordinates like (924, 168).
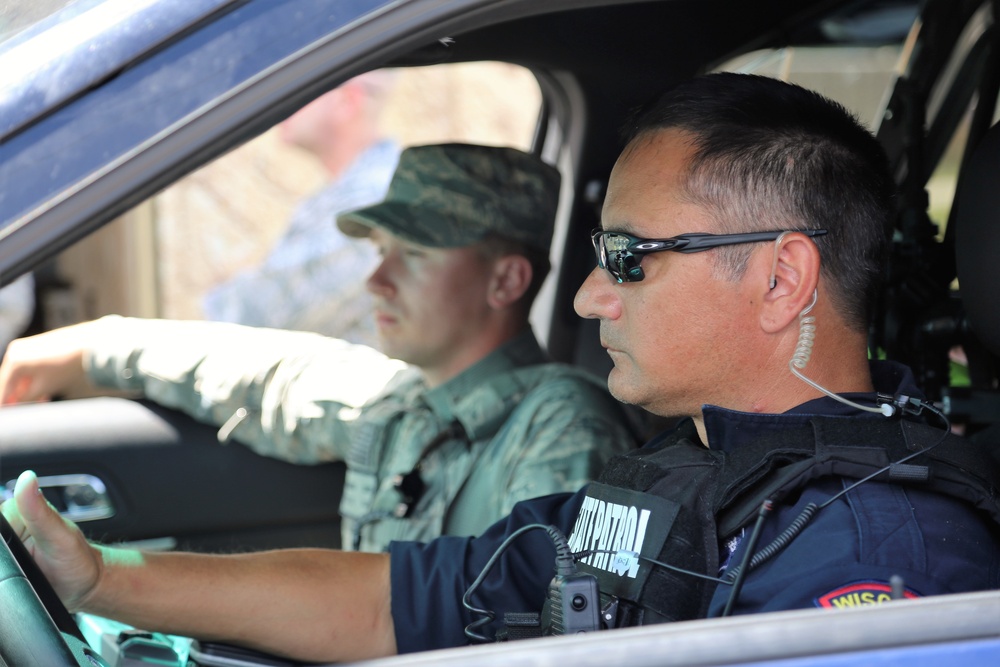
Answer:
(508, 428)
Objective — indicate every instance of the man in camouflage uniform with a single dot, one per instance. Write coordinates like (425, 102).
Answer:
(446, 443)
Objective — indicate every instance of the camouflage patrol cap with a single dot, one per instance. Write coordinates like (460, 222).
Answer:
(454, 195)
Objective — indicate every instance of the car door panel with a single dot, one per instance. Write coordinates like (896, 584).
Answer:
(167, 478)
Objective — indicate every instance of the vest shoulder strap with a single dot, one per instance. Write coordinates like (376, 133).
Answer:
(785, 460)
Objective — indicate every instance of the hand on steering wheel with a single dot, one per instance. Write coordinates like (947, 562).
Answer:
(36, 628)
(57, 545)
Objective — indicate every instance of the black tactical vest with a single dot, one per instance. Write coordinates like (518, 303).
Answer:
(677, 501)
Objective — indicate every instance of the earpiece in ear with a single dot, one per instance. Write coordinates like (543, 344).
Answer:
(773, 282)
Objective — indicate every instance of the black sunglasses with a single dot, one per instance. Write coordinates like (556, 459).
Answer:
(620, 253)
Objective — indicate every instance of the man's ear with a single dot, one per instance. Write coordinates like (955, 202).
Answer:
(509, 281)
(792, 275)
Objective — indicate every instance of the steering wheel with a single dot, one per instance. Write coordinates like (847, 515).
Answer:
(35, 626)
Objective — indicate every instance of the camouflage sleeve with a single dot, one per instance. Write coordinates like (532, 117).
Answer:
(291, 395)
(560, 438)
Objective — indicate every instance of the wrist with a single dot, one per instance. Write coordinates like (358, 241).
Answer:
(114, 569)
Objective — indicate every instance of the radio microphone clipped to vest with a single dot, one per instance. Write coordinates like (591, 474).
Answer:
(572, 604)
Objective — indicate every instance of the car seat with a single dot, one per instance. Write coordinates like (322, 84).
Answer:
(977, 240)
(977, 253)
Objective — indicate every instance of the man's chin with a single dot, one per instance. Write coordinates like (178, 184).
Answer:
(621, 388)
(402, 352)
(391, 348)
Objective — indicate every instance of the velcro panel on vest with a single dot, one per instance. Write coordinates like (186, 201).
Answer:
(624, 523)
(676, 484)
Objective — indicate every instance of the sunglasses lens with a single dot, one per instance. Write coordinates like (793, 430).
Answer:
(614, 257)
(601, 250)
(629, 270)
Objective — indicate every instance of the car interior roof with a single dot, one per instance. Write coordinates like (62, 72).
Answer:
(621, 53)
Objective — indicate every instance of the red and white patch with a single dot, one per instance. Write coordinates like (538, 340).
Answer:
(861, 594)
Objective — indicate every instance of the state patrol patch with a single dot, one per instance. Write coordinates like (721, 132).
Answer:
(861, 594)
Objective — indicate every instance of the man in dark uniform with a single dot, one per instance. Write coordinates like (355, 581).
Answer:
(743, 234)
(710, 336)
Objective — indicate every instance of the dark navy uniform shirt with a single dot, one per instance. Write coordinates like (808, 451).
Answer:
(844, 557)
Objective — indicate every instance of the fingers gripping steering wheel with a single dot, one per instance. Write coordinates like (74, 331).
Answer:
(35, 626)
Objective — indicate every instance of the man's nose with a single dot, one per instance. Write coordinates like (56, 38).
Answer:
(597, 298)
(379, 281)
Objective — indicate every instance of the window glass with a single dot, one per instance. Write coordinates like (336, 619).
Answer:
(227, 217)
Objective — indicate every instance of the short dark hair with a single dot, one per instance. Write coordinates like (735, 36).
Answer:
(773, 155)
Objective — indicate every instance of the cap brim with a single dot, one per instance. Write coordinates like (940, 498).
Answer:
(398, 219)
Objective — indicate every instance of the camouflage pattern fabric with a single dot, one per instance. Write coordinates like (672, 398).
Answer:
(455, 195)
(529, 428)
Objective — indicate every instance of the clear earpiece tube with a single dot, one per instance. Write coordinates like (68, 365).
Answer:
(807, 338)
(803, 350)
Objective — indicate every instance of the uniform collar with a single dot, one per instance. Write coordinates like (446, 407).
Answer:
(471, 396)
(728, 429)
